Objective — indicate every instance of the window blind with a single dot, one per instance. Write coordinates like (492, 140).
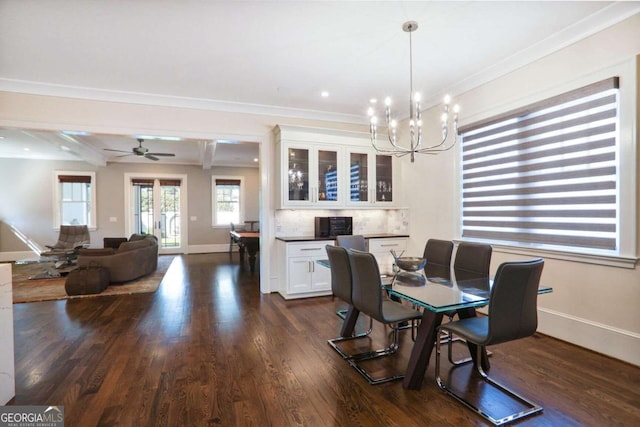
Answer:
(84, 179)
(545, 173)
(220, 181)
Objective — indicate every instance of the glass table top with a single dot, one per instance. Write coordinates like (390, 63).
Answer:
(440, 294)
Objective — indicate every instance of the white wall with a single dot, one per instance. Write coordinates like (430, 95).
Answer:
(595, 306)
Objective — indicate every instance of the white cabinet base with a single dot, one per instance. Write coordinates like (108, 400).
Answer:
(302, 276)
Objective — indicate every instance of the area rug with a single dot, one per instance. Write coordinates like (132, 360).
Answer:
(25, 290)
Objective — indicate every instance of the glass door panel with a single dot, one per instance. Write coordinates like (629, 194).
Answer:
(327, 176)
(358, 176)
(156, 211)
(169, 214)
(143, 200)
(384, 177)
(298, 174)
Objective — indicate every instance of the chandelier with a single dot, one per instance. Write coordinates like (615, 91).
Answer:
(414, 144)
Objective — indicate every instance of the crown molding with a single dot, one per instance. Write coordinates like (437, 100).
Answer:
(593, 24)
(78, 92)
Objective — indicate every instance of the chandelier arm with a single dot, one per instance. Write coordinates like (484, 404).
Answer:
(434, 149)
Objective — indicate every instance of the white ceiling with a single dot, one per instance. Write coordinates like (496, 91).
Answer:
(273, 57)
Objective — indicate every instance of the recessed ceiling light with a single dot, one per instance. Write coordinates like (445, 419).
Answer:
(373, 101)
(27, 149)
(75, 132)
(255, 159)
(324, 94)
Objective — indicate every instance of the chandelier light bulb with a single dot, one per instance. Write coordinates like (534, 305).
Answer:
(456, 108)
(394, 124)
(417, 97)
(387, 101)
(374, 120)
(444, 117)
(370, 112)
(447, 99)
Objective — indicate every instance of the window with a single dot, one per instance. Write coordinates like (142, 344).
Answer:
(74, 199)
(546, 174)
(228, 198)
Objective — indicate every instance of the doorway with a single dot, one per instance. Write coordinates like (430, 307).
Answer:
(157, 206)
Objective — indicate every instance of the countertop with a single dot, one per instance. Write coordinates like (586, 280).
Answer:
(313, 238)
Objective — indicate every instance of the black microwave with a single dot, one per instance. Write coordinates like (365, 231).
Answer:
(332, 226)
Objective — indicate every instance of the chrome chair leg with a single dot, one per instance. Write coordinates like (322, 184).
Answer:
(334, 341)
(393, 347)
(533, 408)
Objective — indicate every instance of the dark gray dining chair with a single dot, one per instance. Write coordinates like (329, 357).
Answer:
(512, 315)
(472, 261)
(341, 286)
(354, 241)
(368, 298)
(438, 255)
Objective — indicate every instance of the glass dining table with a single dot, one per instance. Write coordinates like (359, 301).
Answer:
(436, 292)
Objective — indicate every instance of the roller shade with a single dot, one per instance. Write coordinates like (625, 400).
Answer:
(545, 173)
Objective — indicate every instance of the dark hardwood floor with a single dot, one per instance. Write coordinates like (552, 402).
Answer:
(208, 349)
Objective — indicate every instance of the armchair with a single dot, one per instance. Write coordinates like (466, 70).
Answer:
(71, 239)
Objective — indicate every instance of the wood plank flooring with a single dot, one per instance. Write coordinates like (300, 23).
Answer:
(208, 349)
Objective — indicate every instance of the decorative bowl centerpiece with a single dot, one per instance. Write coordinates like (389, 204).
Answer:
(409, 263)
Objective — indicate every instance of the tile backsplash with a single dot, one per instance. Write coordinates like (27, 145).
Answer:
(301, 222)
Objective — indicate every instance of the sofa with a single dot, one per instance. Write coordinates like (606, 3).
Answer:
(133, 258)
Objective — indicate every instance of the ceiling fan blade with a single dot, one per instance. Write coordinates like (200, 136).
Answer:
(125, 155)
(161, 154)
(151, 157)
(119, 151)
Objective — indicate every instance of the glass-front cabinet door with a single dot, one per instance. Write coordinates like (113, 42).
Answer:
(358, 177)
(298, 174)
(384, 178)
(370, 178)
(328, 178)
(313, 176)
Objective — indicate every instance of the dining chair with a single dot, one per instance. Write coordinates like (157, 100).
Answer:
(438, 255)
(512, 315)
(354, 241)
(231, 241)
(341, 286)
(472, 260)
(368, 298)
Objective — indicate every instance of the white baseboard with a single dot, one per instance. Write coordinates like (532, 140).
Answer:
(617, 343)
(205, 249)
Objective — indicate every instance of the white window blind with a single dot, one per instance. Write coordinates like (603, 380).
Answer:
(545, 173)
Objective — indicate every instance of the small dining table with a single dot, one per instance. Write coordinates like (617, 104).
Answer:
(436, 295)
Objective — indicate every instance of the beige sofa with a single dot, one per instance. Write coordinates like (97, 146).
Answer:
(134, 258)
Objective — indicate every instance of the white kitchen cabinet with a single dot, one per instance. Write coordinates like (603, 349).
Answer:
(302, 276)
(370, 178)
(381, 249)
(332, 169)
(311, 175)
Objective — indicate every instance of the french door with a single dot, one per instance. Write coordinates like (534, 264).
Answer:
(156, 207)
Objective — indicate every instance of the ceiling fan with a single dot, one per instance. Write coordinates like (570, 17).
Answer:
(142, 151)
